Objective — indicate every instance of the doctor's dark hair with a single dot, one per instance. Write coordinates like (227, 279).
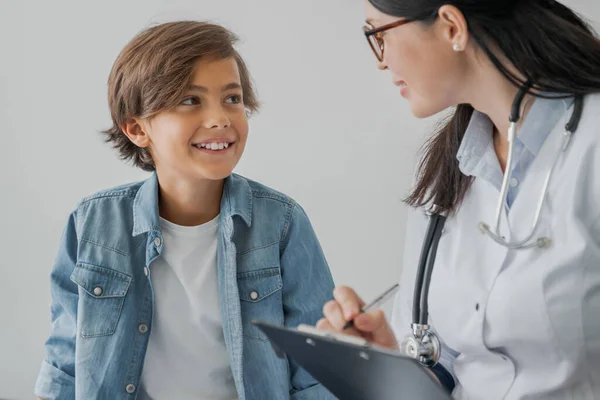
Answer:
(548, 43)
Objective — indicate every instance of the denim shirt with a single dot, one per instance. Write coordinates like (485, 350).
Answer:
(102, 298)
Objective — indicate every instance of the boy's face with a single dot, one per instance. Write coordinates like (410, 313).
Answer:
(205, 135)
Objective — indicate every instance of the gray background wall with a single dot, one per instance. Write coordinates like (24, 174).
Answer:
(333, 133)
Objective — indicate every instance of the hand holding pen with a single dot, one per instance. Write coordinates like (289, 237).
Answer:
(348, 314)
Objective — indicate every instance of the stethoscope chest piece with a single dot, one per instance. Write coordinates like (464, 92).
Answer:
(423, 345)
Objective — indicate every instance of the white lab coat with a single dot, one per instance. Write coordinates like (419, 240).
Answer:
(526, 323)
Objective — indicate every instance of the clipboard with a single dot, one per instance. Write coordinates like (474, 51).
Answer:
(350, 368)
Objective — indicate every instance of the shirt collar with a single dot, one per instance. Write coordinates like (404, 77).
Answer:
(476, 141)
(543, 116)
(236, 200)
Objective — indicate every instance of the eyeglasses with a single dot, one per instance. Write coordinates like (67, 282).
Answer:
(375, 38)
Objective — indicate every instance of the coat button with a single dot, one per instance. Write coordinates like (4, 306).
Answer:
(98, 291)
(254, 295)
(143, 328)
(146, 271)
(130, 388)
(157, 242)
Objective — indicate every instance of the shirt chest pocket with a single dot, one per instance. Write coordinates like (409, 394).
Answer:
(101, 296)
(260, 298)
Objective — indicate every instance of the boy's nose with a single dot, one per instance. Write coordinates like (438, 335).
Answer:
(217, 119)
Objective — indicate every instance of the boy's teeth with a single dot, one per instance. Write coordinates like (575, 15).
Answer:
(214, 146)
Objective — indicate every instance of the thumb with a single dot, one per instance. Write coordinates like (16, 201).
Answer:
(376, 324)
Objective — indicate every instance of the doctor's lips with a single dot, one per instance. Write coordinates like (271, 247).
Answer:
(402, 85)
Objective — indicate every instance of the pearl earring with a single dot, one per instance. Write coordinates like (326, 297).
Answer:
(456, 47)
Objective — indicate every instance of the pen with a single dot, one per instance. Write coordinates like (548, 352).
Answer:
(382, 298)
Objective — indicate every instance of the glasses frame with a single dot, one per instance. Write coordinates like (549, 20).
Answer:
(371, 32)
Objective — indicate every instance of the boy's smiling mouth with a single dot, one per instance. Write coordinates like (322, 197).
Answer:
(214, 145)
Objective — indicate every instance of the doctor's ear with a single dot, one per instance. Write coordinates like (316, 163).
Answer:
(453, 27)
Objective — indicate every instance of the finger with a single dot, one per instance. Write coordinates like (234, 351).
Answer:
(324, 324)
(377, 325)
(333, 312)
(349, 301)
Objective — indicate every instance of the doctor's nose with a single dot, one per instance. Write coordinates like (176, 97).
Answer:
(381, 65)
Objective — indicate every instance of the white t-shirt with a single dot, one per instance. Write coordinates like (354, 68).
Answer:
(186, 356)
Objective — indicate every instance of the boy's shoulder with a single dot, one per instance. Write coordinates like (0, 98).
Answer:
(125, 191)
(263, 201)
(261, 191)
(266, 199)
(107, 218)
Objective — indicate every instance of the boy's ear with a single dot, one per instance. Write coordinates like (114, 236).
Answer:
(136, 132)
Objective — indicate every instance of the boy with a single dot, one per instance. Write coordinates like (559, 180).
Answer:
(156, 283)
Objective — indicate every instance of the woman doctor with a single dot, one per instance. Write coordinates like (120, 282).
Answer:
(514, 296)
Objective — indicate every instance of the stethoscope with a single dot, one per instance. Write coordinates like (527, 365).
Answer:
(424, 345)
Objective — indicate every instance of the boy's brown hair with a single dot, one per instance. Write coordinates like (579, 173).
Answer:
(152, 74)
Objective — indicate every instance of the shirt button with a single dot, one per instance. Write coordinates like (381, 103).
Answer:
(157, 242)
(254, 295)
(477, 307)
(130, 388)
(146, 271)
(98, 291)
(143, 328)
(514, 182)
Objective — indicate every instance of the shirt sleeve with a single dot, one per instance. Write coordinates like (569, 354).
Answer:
(56, 379)
(307, 286)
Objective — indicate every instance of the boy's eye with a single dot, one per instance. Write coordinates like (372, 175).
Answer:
(235, 99)
(190, 101)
